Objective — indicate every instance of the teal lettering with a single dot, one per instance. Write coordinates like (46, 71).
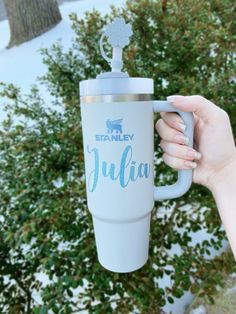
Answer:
(93, 177)
(132, 171)
(143, 170)
(109, 173)
(114, 137)
(127, 171)
(125, 161)
(106, 138)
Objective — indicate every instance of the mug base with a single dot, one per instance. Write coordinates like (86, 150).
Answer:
(122, 247)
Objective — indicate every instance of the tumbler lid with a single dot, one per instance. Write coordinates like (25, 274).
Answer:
(116, 85)
(122, 246)
(116, 81)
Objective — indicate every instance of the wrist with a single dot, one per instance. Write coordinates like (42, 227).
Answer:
(225, 177)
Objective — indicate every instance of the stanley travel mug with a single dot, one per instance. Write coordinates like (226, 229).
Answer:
(118, 137)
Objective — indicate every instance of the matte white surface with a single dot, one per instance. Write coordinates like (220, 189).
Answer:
(110, 200)
(122, 247)
(116, 85)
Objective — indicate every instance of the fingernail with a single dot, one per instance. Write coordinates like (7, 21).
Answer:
(198, 156)
(174, 98)
(181, 126)
(190, 164)
(193, 154)
(181, 139)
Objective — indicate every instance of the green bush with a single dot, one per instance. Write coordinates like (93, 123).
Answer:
(187, 47)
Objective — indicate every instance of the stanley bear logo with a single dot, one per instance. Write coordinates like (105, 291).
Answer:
(114, 132)
(114, 125)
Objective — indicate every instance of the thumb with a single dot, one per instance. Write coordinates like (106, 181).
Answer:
(201, 106)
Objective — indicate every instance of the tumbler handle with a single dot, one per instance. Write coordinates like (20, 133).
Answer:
(184, 181)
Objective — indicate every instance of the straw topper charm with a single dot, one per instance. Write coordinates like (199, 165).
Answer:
(118, 34)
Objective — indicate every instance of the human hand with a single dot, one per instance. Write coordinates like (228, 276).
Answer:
(214, 150)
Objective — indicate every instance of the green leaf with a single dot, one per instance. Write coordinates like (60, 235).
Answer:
(43, 310)
(70, 293)
(170, 300)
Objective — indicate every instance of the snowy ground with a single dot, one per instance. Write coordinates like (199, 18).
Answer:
(22, 65)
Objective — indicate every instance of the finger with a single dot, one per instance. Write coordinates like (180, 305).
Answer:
(201, 106)
(178, 163)
(169, 134)
(173, 120)
(180, 151)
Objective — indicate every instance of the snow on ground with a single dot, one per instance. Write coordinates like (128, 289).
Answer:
(23, 64)
(200, 310)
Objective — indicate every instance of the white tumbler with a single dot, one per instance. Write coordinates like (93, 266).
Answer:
(118, 137)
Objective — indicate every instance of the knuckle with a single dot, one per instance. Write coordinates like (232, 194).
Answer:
(177, 118)
(178, 151)
(173, 119)
(158, 124)
(162, 114)
(184, 151)
(199, 98)
(173, 133)
(170, 161)
(162, 144)
(224, 114)
(171, 148)
(165, 158)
